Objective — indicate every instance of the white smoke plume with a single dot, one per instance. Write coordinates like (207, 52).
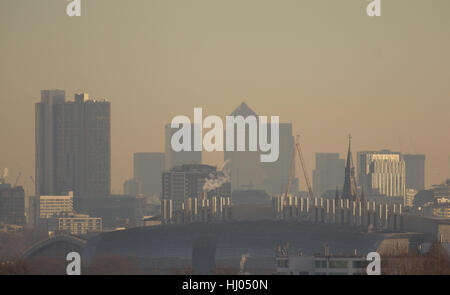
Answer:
(242, 263)
(212, 181)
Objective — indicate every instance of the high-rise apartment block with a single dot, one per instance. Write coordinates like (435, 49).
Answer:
(73, 145)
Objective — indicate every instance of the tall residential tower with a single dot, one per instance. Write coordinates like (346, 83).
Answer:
(73, 145)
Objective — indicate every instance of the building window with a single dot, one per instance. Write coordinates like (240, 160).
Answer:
(338, 264)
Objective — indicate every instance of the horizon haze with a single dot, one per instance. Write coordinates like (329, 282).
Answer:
(324, 66)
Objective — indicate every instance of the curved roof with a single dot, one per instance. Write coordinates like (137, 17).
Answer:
(76, 241)
(231, 240)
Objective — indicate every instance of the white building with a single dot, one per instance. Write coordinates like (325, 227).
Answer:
(321, 265)
(382, 173)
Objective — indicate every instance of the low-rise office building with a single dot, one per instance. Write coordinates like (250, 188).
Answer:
(75, 224)
(41, 208)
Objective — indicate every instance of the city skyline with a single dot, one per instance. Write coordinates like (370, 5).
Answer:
(384, 81)
(214, 158)
(224, 138)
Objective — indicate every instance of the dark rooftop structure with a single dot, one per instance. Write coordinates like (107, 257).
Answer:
(168, 247)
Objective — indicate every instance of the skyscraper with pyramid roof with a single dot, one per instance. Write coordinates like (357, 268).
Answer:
(247, 171)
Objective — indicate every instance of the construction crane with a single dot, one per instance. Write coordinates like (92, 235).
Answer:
(303, 165)
(291, 174)
(302, 162)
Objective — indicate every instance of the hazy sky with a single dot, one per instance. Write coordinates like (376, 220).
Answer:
(323, 65)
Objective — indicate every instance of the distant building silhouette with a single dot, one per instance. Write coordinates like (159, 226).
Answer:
(276, 174)
(415, 171)
(148, 168)
(328, 174)
(73, 145)
(247, 170)
(131, 187)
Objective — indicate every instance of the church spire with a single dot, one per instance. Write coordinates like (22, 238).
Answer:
(349, 153)
(349, 190)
